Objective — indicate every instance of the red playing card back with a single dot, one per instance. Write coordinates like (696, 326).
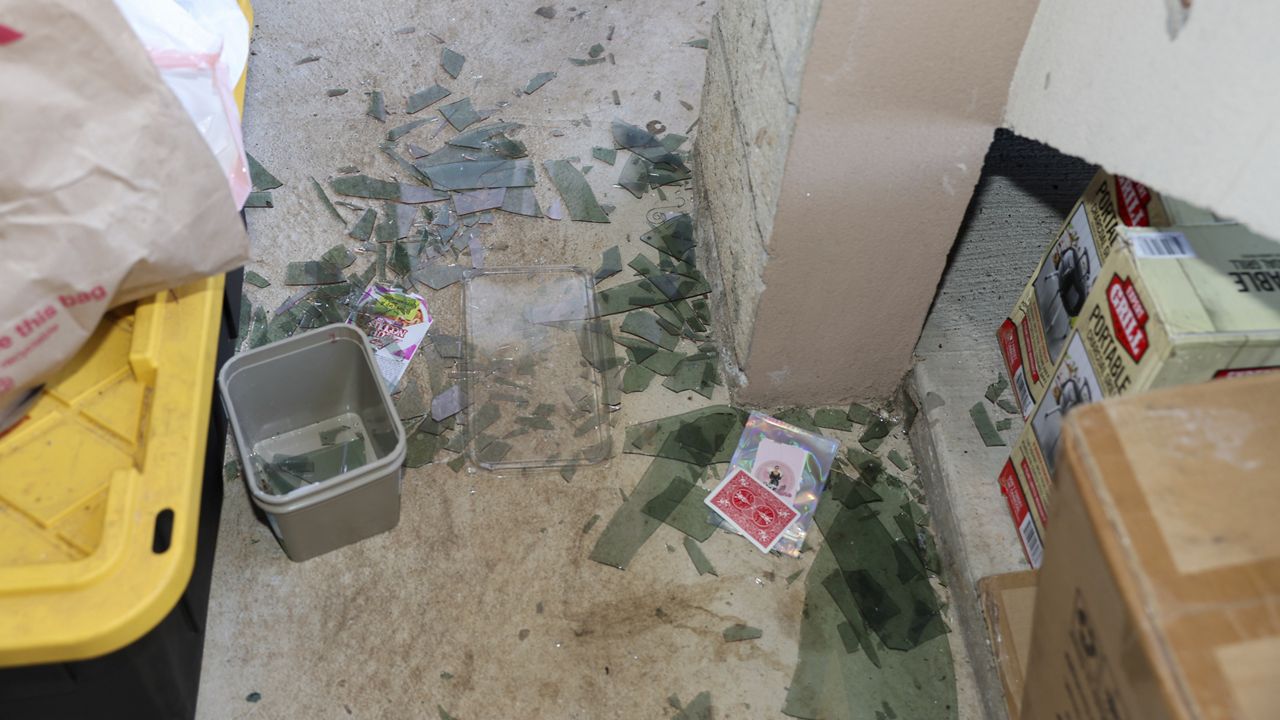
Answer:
(754, 509)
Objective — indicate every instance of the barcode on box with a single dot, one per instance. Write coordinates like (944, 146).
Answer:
(1024, 393)
(1161, 245)
(1031, 541)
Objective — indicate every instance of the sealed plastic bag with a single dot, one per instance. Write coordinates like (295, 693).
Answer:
(200, 48)
(108, 193)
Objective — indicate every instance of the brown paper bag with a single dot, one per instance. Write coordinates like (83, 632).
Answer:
(107, 191)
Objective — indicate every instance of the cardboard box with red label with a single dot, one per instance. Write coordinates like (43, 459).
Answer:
(1171, 306)
(1037, 331)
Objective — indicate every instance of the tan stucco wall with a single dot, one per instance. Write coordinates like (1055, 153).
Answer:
(754, 67)
(1194, 116)
(897, 104)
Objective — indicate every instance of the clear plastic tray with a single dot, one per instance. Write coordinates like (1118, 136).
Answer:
(535, 353)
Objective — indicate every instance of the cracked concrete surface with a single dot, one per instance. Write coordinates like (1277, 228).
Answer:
(483, 600)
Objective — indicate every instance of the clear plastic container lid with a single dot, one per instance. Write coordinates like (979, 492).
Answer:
(533, 363)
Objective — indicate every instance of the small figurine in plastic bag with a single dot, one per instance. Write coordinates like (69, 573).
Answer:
(773, 484)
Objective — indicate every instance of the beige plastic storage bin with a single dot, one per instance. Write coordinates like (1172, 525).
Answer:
(293, 397)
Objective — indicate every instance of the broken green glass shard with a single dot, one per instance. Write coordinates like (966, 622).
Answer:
(535, 422)
(492, 452)
(604, 155)
(699, 558)
(460, 114)
(474, 201)
(259, 176)
(324, 463)
(452, 62)
(688, 375)
(537, 81)
(258, 199)
(390, 151)
(634, 177)
(681, 506)
(874, 433)
(312, 272)
(849, 492)
(645, 325)
(591, 522)
(478, 138)
(848, 636)
(478, 174)
(362, 229)
(701, 437)
(663, 362)
(335, 92)
(646, 145)
(1004, 424)
(258, 332)
(506, 147)
(832, 419)
(986, 429)
(595, 51)
(630, 527)
(418, 194)
(338, 256)
(645, 294)
(644, 266)
(610, 263)
(448, 403)
(400, 131)
(798, 417)
(578, 198)
(672, 141)
(399, 262)
(862, 414)
(521, 201)
(426, 98)
(896, 458)
(739, 632)
(840, 594)
(456, 153)
(581, 62)
(636, 378)
(324, 200)
(997, 388)
(698, 709)
(1007, 405)
(673, 237)
(420, 448)
(700, 43)
(386, 230)
(255, 279)
(377, 107)
(245, 321)
(364, 186)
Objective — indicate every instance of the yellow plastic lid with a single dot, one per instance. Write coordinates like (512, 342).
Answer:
(115, 443)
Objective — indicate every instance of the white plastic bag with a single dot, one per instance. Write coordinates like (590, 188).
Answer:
(200, 48)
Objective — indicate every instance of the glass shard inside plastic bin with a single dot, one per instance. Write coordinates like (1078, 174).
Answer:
(530, 345)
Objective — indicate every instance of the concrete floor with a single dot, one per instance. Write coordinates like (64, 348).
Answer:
(487, 578)
(1025, 192)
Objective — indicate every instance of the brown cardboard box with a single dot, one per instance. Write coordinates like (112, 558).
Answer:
(1159, 597)
(1172, 306)
(1007, 602)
